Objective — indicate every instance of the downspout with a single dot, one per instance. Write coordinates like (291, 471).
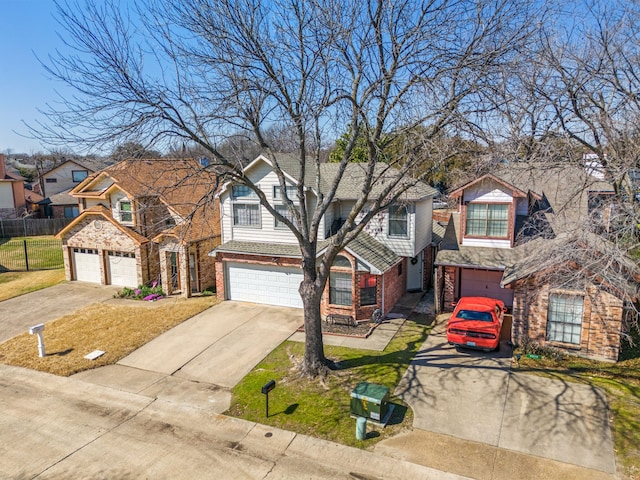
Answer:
(382, 303)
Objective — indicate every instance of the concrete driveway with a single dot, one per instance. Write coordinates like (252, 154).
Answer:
(213, 349)
(478, 397)
(19, 313)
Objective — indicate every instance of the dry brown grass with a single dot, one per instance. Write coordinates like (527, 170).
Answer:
(13, 284)
(117, 327)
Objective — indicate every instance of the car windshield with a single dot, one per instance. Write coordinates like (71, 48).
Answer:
(473, 315)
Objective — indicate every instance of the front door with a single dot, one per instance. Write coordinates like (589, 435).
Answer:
(415, 275)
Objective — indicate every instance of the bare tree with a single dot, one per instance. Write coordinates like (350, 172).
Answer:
(575, 102)
(197, 72)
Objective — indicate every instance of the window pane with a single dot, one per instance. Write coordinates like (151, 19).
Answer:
(487, 220)
(125, 212)
(340, 288)
(292, 192)
(246, 214)
(341, 261)
(368, 291)
(242, 191)
(284, 211)
(398, 221)
(564, 318)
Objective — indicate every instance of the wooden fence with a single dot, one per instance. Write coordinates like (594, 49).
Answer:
(32, 227)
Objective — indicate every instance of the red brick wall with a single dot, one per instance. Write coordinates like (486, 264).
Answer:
(395, 285)
(450, 280)
(601, 320)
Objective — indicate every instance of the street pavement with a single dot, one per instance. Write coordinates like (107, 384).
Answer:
(61, 428)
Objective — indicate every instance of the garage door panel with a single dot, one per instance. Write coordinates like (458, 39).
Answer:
(122, 269)
(264, 284)
(86, 265)
(484, 283)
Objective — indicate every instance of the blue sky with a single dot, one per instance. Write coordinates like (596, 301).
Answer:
(28, 29)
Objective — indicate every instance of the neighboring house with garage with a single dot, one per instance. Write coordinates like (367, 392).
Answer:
(143, 221)
(259, 259)
(519, 236)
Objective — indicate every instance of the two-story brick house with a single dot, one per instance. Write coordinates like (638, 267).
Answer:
(505, 241)
(142, 221)
(259, 259)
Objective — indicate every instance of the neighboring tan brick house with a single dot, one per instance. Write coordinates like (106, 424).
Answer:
(259, 260)
(143, 221)
(519, 235)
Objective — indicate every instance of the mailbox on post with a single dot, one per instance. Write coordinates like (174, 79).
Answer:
(37, 330)
(266, 388)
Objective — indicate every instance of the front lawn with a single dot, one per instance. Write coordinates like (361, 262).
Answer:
(321, 407)
(13, 284)
(117, 328)
(621, 382)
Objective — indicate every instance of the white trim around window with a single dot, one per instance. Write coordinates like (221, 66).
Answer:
(398, 221)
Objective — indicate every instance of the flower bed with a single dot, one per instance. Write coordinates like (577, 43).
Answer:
(143, 292)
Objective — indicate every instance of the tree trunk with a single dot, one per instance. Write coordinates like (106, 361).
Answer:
(314, 362)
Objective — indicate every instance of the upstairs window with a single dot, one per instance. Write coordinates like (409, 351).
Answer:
(292, 193)
(79, 175)
(246, 214)
(125, 211)
(284, 211)
(487, 220)
(398, 221)
(243, 192)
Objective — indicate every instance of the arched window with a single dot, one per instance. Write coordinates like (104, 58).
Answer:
(340, 283)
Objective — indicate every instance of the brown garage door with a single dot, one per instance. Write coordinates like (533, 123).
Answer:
(484, 283)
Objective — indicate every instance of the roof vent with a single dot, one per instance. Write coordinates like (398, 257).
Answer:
(204, 161)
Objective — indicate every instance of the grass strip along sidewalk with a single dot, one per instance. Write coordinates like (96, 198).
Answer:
(321, 407)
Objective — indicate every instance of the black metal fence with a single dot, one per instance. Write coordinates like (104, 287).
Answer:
(30, 254)
(32, 227)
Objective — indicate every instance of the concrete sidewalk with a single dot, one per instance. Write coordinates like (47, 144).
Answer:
(53, 427)
(19, 313)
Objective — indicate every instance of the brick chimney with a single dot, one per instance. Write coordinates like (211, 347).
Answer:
(3, 167)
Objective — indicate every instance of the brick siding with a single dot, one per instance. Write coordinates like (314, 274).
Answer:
(601, 320)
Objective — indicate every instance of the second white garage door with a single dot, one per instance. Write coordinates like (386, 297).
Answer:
(484, 283)
(264, 284)
(122, 269)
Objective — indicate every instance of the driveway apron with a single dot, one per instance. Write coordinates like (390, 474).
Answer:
(477, 396)
(220, 345)
(19, 313)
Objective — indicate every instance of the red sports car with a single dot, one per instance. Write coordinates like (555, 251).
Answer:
(476, 323)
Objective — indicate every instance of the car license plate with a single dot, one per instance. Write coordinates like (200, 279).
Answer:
(471, 344)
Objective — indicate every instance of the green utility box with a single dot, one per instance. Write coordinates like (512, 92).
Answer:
(370, 401)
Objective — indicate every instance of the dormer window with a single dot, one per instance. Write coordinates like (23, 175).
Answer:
(398, 221)
(125, 211)
(487, 220)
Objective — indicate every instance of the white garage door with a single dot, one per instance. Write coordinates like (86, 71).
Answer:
(484, 283)
(122, 269)
(86, 265)
(264, 284)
